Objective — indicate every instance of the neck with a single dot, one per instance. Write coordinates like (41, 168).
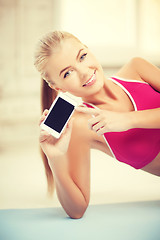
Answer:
(104, 96)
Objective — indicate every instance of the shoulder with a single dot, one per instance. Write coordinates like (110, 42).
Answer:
(81, 139)
(140, 69)
(129, 70)
(80, 127)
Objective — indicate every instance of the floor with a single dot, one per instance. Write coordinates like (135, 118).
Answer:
(129, 221)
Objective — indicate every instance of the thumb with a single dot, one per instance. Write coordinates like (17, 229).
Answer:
(69, 126)
(67, 132)
(70, 123)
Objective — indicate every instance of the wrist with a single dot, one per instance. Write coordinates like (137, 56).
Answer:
(132, 120)
(57, 162)
(54, 154)
(136, 119)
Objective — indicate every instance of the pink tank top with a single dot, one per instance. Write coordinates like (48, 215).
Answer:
(136, 147)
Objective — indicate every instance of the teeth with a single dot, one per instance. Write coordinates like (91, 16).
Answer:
(90, 80)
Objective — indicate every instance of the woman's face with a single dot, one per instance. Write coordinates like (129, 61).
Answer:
(73, 68)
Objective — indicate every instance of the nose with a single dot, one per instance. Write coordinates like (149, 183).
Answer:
(84, 73)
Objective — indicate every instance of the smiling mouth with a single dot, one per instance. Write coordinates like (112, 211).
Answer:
(91, 81)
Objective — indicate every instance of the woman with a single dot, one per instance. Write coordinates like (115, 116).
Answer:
(123, 116)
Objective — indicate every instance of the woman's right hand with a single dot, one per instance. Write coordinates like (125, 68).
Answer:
(51, 146)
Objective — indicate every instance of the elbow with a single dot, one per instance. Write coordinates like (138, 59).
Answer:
(78, 214)
(136, 61)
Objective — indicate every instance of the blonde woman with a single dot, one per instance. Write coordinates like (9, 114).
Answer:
(126, 122)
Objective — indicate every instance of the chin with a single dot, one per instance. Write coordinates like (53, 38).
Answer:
(93, 91)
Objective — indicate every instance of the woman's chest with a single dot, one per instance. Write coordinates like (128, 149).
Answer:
(123, 104)
(121, 101)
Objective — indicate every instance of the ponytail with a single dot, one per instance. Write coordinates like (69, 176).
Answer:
(47, 97)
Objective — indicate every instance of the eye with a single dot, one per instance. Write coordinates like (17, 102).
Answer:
(67, 73)
(83, 56)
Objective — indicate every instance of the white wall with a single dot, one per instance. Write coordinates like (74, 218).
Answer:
(115, 30)
(108, 27)
(149, 38)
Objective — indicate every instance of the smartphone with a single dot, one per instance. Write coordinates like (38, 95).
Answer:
(59, 114)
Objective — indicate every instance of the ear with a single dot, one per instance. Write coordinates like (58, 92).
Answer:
(51, 86)
(56, 88)
(59, 89)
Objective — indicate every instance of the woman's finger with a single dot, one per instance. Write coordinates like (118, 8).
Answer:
(93, 121)
(43, 136)
(98, 126)
(41, 119)
(68, 127)
(102, 130)
(45, 112)
(43, 116)
(90, 111)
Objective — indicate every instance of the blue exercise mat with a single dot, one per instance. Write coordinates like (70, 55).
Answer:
(123, 221)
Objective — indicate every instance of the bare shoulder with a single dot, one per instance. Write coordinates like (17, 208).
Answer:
(80, 127)
(129, 70)
(140, 69)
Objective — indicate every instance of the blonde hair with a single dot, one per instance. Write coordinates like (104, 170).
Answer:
(45, 48)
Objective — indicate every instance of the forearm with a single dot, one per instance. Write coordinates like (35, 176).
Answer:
(145, 119)
(69, 195)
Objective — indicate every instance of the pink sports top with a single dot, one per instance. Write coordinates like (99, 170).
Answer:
(139, 146)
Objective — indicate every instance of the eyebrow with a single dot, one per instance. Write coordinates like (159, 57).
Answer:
(70, 66)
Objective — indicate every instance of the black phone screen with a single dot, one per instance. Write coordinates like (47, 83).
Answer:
(59, 114)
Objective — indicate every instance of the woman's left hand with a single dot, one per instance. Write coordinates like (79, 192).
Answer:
(103, 121)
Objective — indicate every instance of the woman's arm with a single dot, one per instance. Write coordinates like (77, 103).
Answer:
(72, 174)
(145, 119)
(108, 121)
(140, 69)
(147, 72)
(71, 169)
